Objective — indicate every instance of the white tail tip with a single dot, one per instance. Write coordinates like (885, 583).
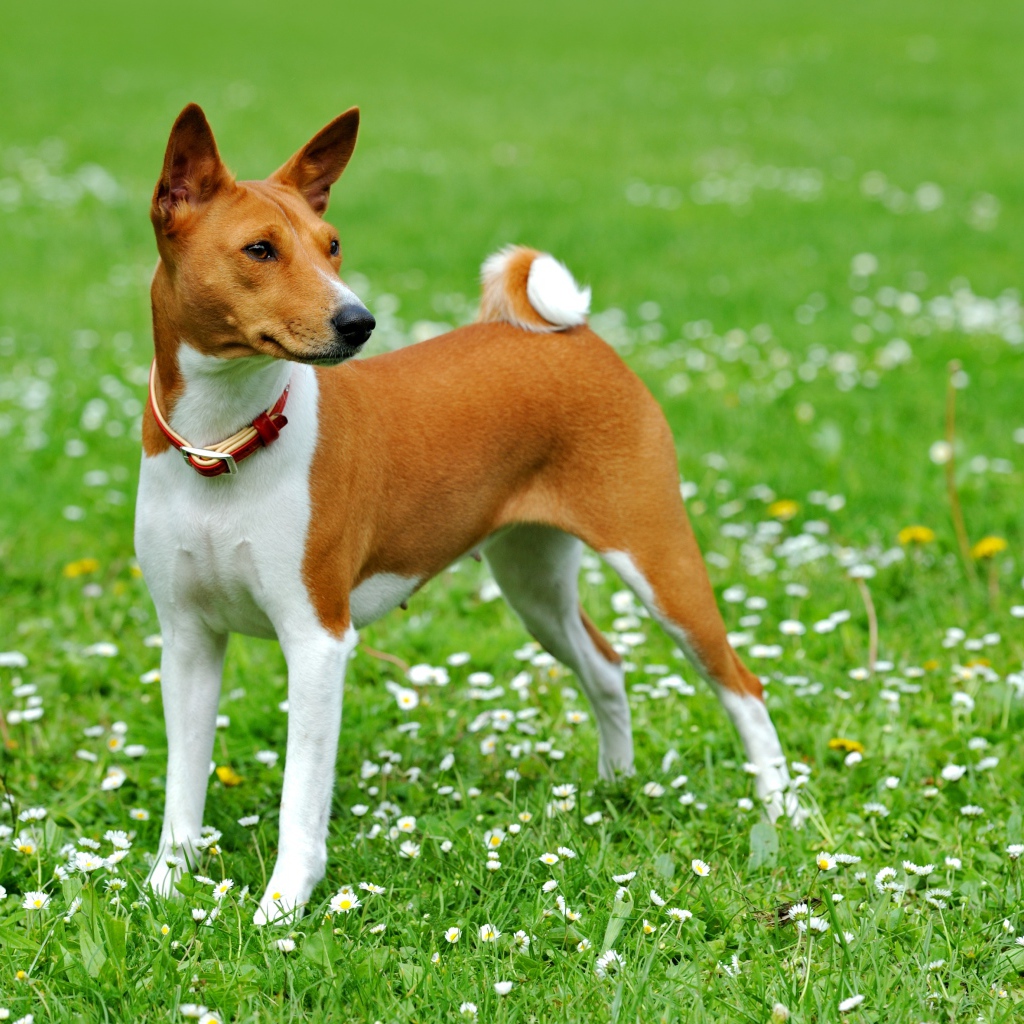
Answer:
(531, 290)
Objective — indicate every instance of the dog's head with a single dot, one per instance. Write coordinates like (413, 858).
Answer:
(251, 267)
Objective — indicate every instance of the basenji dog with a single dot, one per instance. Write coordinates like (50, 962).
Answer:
(288, 490)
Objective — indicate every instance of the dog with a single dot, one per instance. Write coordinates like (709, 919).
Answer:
(289, 491)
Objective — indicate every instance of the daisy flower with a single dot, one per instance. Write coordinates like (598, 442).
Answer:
(222, 888)
(285, 945)
(883, 878)
(548, 858)
(677, 914)
(825, 861)
(35, 901)
(608, 963)
(923, 870)
(453, 934)
(344, 901)
(503, 987)
(24, 843)
(88, 861)
(377, 890)
(700, 868)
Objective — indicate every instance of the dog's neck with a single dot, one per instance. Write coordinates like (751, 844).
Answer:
(220, 396)
(207, 399)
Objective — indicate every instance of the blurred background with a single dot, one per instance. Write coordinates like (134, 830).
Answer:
(792, 215)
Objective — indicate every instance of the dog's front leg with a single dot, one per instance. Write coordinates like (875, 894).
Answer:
(190, 674)
(316, 669)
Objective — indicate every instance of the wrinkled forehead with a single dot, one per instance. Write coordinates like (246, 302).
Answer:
(262, 206)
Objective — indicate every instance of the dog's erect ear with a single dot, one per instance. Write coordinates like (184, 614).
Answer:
(318, 165)
(192, 171)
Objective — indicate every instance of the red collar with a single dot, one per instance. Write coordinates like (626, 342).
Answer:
(224, 456)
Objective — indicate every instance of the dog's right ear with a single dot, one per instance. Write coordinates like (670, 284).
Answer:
(192, 174)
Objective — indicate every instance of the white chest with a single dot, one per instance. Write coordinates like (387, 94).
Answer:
(230, 548)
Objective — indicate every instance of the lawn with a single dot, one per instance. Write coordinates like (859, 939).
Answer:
(794, 218)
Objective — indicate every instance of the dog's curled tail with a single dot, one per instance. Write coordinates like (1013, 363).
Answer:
(531, 290)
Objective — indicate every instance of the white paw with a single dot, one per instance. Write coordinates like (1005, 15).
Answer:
(166, 871)
(612, 769)
(275, 908)
(780, 803)
(797, 815)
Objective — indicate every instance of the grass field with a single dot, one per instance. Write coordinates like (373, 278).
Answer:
(793, 217)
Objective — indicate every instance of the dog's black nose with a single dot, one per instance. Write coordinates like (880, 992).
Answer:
(353, 324)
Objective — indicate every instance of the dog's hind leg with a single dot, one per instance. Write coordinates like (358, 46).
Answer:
(537, 568)
(665, 570)
(190, 674)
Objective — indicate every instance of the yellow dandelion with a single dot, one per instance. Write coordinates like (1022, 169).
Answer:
(82, 567)
(848, 746)
(916, 535)
(784, 508)
(989, 547)
(228, 776)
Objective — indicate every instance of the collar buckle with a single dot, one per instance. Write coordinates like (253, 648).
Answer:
(205, 453)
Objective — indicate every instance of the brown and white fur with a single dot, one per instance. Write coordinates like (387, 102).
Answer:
(523, 435)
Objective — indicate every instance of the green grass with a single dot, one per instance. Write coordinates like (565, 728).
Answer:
(598, 132)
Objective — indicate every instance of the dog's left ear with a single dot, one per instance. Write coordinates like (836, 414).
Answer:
(318, 165)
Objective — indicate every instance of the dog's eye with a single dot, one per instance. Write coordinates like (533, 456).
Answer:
(261, 251)
(335, 247)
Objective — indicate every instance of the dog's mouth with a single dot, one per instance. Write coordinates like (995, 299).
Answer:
(334, 354)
